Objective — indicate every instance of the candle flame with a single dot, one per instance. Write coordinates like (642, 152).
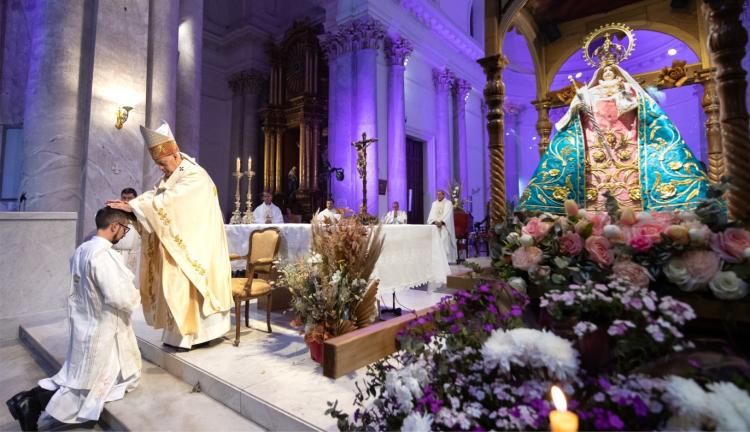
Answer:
(558, 398)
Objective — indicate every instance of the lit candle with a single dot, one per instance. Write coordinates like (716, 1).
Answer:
(238, 164)
(561, 420)
(249, 164)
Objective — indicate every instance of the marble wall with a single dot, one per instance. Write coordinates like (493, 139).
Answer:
(34, 269)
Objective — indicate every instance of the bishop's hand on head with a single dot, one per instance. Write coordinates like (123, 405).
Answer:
(120, 205)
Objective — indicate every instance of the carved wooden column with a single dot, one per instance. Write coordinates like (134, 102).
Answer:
(727, 38)
(277, 160)
(710, 103)
(269, 135)
(543, 124)
(494, 94)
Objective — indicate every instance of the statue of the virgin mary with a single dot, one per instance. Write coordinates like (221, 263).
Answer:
(615, 138)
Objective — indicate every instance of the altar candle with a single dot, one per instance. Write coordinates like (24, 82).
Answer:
(560, 419)
(238, 164)
(249, 164)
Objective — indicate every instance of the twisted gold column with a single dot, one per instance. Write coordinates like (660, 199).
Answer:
(726, 40)
(494, 95)
(710, 104)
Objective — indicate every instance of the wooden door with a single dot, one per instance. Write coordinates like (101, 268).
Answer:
(414, 181)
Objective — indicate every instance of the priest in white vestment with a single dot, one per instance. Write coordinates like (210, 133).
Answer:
(395, 216)
(103, 361)
(441, 215)
(185, 271)
(267, 212)
(130, 245)
(328, 214)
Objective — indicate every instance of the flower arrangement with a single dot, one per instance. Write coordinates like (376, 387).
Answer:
(332, 292)
(456, 192)
(465, 367)
(691, 250)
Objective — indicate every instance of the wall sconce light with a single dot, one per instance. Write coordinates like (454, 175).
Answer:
(122, 116)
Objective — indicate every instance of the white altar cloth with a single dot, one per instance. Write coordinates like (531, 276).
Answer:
(411, 256)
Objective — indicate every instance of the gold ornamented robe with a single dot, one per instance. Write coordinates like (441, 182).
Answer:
(185, 271)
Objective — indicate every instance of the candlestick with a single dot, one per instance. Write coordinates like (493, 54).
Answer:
(560, 419)
(247, 218)
(236, 218)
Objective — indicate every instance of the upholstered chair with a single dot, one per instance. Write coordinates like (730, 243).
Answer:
(259, 275)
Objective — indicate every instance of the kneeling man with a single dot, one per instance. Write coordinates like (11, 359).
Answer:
(103, 361)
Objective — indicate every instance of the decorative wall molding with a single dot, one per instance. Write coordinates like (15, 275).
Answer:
(397, 50)
(247, 81)
(436, 22)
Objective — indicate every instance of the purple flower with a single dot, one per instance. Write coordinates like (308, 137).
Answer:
(459, 315)
(640, 408)
(655, 331)
(619, 327)
(615, 421)
(488, 328)
(483, 288)
(604, 383)
(492, 309)
(516, 311)
(455, 328)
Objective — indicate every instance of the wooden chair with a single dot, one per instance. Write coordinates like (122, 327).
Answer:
(462, 223)
(259, 273)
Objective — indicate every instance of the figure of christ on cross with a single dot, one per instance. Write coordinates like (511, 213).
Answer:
(361, 147)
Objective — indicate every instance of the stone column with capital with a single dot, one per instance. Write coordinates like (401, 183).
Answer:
(443, 80)
(366, 36)
(190, 45)
(246, 86)
(513, 148)
(494, 93)
(727, 39)
(336, 47)
(397, 50)
(461, 89)
(54, 130)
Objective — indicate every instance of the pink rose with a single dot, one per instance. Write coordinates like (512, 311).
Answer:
(664, 218)
(702, 265)
(600, 220)
(525, 258)
(678, 233)
(648, 228)
(599, 250)
(571, 244)
(571, 208)
(641, 243)
(731, 244)
(627, 216)
(536, 228)
(635, 273)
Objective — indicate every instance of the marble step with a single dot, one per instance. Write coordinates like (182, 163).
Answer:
(161, 401)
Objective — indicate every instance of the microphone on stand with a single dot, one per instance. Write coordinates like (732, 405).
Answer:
(22, 202)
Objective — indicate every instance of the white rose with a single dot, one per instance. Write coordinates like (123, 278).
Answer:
(527, 240)
(677, 272)
(612, 231)
(512, 238)
(696, 235)
(727, 286)
(583, 214)
(518, 284)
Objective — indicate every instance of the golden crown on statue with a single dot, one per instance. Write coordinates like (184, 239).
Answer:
(611, 50)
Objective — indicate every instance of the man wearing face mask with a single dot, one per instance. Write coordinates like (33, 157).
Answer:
(103, 361)
(185, 274)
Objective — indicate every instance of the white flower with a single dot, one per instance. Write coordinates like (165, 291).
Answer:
(336, 277)
(512, 238)
(533, 349)
(518, 284)
(315, 258)
(583, 214)
(417, 422)
(727, 286)
(688, 401)
(612, 231)
(729, 395)
(677, 272)
(526, 240)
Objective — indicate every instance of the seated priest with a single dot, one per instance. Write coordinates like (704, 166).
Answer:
(329, 214)
(185, 273)
(441, 215)
(267, 212)
(103, 361)
(395, 216)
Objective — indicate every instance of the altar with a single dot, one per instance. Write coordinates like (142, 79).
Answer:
(411, 256)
